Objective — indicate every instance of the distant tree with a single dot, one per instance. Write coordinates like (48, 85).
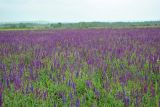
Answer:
(22, 25)
(12, 26)
(83, 25)
(52, 25)
(59, 25)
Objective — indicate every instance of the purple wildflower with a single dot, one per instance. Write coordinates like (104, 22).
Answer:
(122, 79)
(11, 77)
(88, 84)
(77, 74)
(45, 94)
(1, 98)
(1, 94)
(21, 69)
(7, 83)
(77, 103)
(136, 102)
(31, 72)
(71, 96)
(152, 90)
(126, 101)
(90, 61)
(63, 98)
(17, 82)
(73, 85)
(97, 93)
(145, 88)
(69, 83)
(31, 88)
(63, 78)
(27, 89)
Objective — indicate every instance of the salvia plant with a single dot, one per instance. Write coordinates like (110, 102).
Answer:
(80, 68)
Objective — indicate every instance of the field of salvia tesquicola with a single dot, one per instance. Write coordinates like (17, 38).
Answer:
(80, 68)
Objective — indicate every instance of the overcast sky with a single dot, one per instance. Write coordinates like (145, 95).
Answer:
(79, 10)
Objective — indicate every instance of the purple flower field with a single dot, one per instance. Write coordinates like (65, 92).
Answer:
(80, 68)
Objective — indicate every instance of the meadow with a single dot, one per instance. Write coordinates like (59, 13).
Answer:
(91, 67)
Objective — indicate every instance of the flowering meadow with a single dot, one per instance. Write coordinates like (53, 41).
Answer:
(80, 68)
